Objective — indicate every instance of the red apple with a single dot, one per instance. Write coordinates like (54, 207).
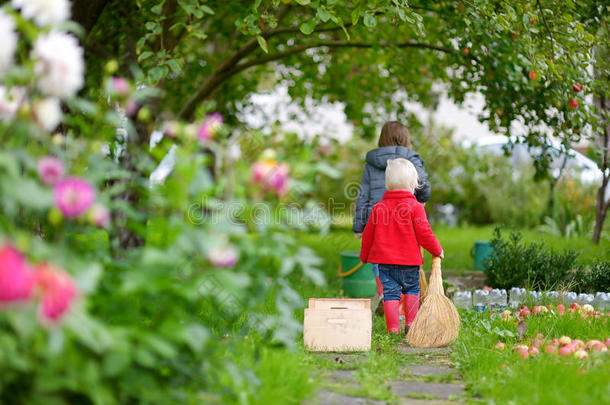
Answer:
(591, 342)
(555, 342)
(524, 307)
(575, 305)
(524, 313)
(534, 351)
(600, 347)
(578, 344)
(587, 309)
(500, 346)
(466, 51)
(580, 354)
(532, 21)
(573, 103)
(565, 340)
(607, 341)
(522, 350)
(550, 349)
(566, 350)
(561, 307)
(537, 342)
(533, 75)
(577, 87)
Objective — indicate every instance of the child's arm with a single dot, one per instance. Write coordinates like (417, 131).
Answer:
(368, 237)
(423, 231)
(363, 204)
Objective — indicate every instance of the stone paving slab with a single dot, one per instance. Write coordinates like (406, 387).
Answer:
(345, 360)
(436, 390)
(426, 370)
(406, 349)
(328, 397)
(413, 401)
(341, 379)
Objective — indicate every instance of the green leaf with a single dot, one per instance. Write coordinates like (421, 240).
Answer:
(323, 15)
(206, 9)
(369, 20)
(174, 66)
(355, 16)
(145, 55)
(262, 43)
(303, 2)
(308, 27)
(157, 73)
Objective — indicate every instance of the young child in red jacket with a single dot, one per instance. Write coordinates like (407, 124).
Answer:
(392, 237)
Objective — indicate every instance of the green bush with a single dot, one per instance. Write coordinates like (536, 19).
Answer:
(517, 264)
(593, 280)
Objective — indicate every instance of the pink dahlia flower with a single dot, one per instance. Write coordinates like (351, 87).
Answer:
(57, 290)
(271, 175)
(210, 127)
(223, 256)
(16, 280)
(73, 196)
(120, 85)
(50, 170)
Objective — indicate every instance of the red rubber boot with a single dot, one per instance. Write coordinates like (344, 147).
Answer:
(411, 308)
(390, 310)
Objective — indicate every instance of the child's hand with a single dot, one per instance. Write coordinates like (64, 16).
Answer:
(358, 235)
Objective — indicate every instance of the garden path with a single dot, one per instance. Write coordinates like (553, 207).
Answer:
(427, 379)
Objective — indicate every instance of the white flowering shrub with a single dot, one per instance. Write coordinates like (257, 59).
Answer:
(115, 289)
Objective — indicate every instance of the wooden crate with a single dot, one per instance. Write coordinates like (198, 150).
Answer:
(338, 325)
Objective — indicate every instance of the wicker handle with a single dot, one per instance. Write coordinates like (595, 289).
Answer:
(435, 286)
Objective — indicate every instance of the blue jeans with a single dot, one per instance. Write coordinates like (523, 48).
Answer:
(398, 280)
(375, 269)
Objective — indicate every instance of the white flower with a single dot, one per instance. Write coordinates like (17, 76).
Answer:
(44, 12)
(8, 42)
(10, 101)
(60, 65)
(47, 113)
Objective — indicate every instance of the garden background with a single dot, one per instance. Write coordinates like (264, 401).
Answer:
(122, 281)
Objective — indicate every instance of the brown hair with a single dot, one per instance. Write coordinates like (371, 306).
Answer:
(393, 133)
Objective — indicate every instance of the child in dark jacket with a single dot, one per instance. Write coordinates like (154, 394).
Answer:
(392, 237)
(394, 142)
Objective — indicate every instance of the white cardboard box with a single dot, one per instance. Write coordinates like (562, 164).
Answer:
(338, 325)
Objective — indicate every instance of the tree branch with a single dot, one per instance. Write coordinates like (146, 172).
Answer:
(223, 72)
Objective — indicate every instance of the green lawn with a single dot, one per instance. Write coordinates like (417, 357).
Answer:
(456, 242)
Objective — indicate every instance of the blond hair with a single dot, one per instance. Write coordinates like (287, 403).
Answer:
(400, 174)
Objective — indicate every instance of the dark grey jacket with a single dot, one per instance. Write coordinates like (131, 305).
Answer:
(372, 184)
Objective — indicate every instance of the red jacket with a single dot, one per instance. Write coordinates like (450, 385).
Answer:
(395, 231)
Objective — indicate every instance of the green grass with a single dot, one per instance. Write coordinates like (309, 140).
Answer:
(456, 242)
(503, 377)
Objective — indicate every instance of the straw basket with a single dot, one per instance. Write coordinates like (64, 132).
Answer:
(437, 323)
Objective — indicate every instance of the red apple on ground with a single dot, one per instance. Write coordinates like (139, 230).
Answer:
(591, 342)
(607, 341)
(565, 340)
(555, 342)
(539, 335)
(587, 309)
(524, 313)
(550, 349)
(537, 342)
(500, 346)
(577, 87)
(566, 350)
(580, 354)
(599, 347)
(534, 351)
(561, 307)
(575, 305)
(578, 344)
(573, 103)
(523, 351)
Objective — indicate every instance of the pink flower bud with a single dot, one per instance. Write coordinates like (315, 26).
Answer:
(50, 170)
(73, 196)
(16, 280)
(57, 289)
(99, 215)
(120, 85)
(223, 256)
